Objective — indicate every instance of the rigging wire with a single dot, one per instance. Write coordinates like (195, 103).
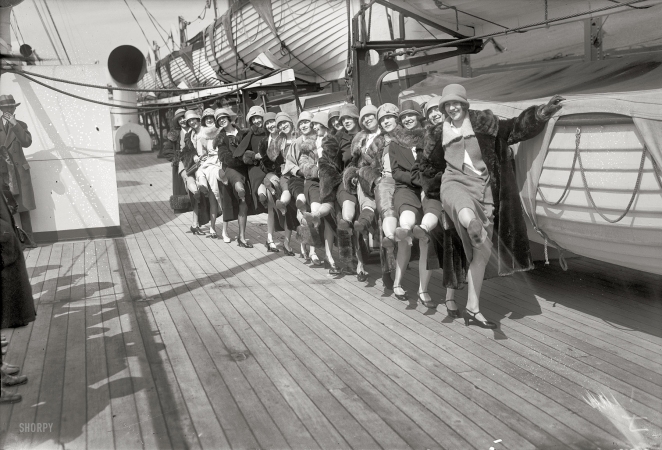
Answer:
(152, 19)
(66, 19)
(48, 33)
(139, 26)
(98, 86)
(171, 105)
(17, 27)
(414, 50)
(15, 34)
(57, 31)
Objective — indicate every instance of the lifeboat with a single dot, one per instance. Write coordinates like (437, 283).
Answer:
(254, 37)
(591, 183)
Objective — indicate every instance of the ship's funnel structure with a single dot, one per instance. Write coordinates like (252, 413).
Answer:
(126, 66)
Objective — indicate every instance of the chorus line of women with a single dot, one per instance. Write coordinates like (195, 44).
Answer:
(435, 183)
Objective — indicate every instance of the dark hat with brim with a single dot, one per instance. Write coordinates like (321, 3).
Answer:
(410, 107)
(8, 100)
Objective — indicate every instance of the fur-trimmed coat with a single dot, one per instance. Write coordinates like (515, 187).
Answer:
(293, 156)
(308, 159)
(366, 164)
(330, 168)
(402, 141)
(494, 135)
(250, 145)
(272, 154)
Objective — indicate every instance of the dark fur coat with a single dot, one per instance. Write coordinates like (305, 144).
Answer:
(366, 166)
(404, 173)
(330, 168)
(226, 146)
(494, 135)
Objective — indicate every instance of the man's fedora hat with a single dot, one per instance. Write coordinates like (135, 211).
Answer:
(8, 100)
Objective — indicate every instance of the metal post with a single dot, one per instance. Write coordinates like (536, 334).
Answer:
(593, 39)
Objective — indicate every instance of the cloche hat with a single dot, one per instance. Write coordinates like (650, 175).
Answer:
(367, 109)
(410, 107)
(269, 116)
(254, 112)
(192, 114)
(387, 109)
(208, 112)
(305, 115)
(283, 117)
(349, 110)
(453, 93)
(434, 101)
(322, 118)
(179, 113)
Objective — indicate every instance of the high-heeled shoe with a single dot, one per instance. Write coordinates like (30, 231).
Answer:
(271, 247)
(244, 244)
(197, 231)
(227, 239)
(430, 304)
(288, 252)
(400, 296)
(335, 270)
(362, 277)
(315, 260)
(470, 319)
(454, 313)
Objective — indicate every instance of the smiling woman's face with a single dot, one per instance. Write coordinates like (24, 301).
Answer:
(410, 121)
(270, 126)
(434, 115)
(370, 122)
(223, 121)
(388, 123)
(455, 110)
(285, 127)
(304, 126)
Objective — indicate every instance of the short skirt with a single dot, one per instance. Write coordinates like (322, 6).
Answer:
(311, 189)
(295, 186)
(406, 199)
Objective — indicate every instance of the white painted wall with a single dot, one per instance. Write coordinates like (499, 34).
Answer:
(72, 160)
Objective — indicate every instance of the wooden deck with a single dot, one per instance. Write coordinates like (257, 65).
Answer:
(162, 339)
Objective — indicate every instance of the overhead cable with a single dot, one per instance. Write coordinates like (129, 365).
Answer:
(48, 33)
(98, 86)
(171, 105)
(57, 31)
(413, 50)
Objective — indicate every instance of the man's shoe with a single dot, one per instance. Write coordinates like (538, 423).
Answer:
(8, 369)
(10, 380)
(7, 397)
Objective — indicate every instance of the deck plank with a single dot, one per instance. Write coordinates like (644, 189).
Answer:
(164, 339)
